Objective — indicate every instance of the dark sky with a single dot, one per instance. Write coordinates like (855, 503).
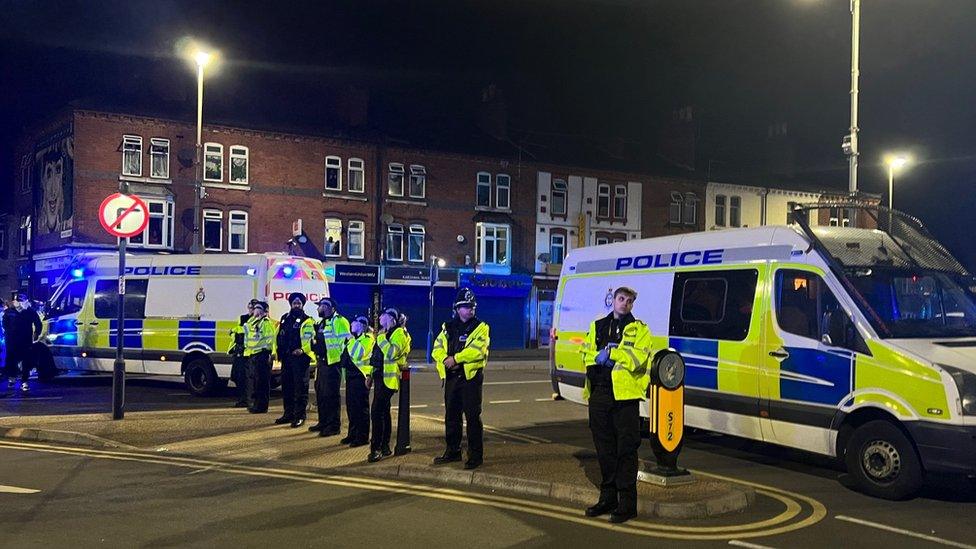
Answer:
(594, 71)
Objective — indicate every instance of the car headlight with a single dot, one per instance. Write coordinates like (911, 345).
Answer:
(966, 383)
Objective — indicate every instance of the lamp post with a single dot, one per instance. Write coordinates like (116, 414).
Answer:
(850, 147)
(202, 58)
(894, 162)
(435, 264)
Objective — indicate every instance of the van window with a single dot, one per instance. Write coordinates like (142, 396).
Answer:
(70, 300)
(802, 298)
(713, 304)
(107, 298)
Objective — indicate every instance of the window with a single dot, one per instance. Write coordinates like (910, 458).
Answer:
(735, 211)
(503, 190)
(132, 155)
(841, 217)
(415, 246)
(25, 236)
(159, 157)
(557, 206)
(714, 304)
(396, 180)
(494, 244)
(557, 248)
(237, 227)
(802, 299)
(601, 240)
(333, 237)
(484, 190)
(394, 242)
(238, 165)
(418, 181)
(213, 162)
(603, 201)
(70, 300)
(356, 240)
(213, 230)
(689, 215)
(159, 231)
(357, 175)
(720, 210)
(674, 211)
(620, 201)
(107, 298)
(333, 173)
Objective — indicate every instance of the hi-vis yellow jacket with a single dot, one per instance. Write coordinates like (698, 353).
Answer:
(630, 374)
(360, 350)
(259, 335)
(473, 356)
(395, 347)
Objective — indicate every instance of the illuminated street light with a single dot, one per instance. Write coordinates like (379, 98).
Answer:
(894, 162)
(203, 58)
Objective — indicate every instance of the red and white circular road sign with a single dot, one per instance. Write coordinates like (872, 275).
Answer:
(123, 215)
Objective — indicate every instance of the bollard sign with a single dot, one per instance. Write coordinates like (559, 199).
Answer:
(667, 411)
(123, 215)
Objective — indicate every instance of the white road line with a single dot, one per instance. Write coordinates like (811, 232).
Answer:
(739, 543)
(516, 382)
(543, 399)
(504, 401)
(16, 490)
(909, 533)
(418, 406)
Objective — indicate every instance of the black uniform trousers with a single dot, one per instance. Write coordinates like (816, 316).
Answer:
(380, 413)
(357, 404)
(19, 360)
(294, 385)
(259, 381)
(615, 425)
(239, 375)
(327, 399)
(463, 397)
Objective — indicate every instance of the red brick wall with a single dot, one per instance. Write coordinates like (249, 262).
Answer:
(657, 202)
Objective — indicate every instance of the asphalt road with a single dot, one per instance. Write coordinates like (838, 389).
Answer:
(941, 516)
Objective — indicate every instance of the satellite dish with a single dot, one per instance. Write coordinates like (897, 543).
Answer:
(386, 219)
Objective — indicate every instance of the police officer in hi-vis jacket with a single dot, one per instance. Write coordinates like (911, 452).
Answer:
(331, 333)
(358, 362)
(238, 371)
(391, 350)
(616, 353)
(294, 346)
(259, 340)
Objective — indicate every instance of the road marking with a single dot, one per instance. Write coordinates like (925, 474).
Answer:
(412, 406)
(16, 490)
(539, 508)
(504, 401)
(543, 399)
(516, 382)
(909, 533)
(740, 543)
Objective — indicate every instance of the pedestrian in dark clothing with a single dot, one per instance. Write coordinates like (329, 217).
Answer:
(22, 328)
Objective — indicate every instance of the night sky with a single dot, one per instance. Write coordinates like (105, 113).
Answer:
(595, 73)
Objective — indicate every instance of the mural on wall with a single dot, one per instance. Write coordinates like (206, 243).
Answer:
(54, 185)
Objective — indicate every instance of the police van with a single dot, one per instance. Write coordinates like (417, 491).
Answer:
(179, 310)
(856, 343)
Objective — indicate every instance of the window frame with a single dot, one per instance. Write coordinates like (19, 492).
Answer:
(219, 151)
(482, 239)
(600, 197)
(168, 226)
(553, 245)
(395, 169)
(677, 201)
(418, 173)
(479, 183)
(721, 203)
(734, 327)
(508, 191)
(601, 240)
(735, 211)
(361, 170)
(620, 193)
(127, 141)
(231, 155)
(208, 215)
(564, 192)
(358, 228)
(690, 199)
(394, 230)
(230, 230)
(153, 143)
(335, 221)
(414, 231)
(333, 162)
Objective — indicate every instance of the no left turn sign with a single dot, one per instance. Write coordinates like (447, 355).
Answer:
(123, 215)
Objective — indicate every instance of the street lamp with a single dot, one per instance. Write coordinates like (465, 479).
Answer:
(202, 59)
(894, 162)
(435, 264)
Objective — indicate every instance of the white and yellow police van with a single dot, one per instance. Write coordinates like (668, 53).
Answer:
(179, 310)
(847, 342)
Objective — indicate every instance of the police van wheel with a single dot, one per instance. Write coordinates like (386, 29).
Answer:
(201, 378)
(883, 461)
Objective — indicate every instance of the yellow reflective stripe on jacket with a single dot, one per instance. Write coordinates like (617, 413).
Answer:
(259, 335)
(335, 332)
(394, 347)
(360, 351)
(473, 356)
(630, 374)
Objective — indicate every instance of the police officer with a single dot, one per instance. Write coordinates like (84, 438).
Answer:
(616, 352)
(331, 332)
(22, 327)
(392, 347)
(358, 361)
(460, 353)
(294, 345)
(259, 337)
(238, 372)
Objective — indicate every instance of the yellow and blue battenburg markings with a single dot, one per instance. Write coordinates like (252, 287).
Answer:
(197, 335)
(131, 333)
(812, 375)
(701, 361)
(65, 331)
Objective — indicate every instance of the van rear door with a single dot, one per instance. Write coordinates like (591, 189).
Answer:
(106, 327)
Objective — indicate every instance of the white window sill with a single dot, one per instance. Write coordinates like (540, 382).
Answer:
(406, 201)
(490, 209)
(328, 194)
(138, 179)
(231, 186)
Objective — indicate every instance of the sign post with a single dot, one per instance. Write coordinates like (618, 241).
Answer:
(122, 216)
(667, 418)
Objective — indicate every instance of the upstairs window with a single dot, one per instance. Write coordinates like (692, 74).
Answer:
(159, 158)
(493, 246)
(418, 181)
(503, 189)
(557, 248)
(333, 237)
(620, 202)
(159, 231)
(238, 165)
(689, 215)
(213, 162)
(484, 190)
(237, 241)
(132, 155)
(603, 200)
(735, 211)
(415, 246)
(395, 183)
(333, 173)
(357, 175)
(720, 210)
(356, 240)
(394, 242)
(213, 230)
(674, 210)
(557, 204)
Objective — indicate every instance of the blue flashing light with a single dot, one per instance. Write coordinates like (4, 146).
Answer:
(288, 271)
(77, 273)
(251, 271)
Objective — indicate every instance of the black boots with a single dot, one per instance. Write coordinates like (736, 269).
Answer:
(448, 457)
(602, 507)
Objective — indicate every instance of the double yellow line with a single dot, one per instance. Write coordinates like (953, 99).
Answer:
(784, 522)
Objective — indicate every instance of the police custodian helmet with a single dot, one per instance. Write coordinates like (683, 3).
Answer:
(465, 298)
